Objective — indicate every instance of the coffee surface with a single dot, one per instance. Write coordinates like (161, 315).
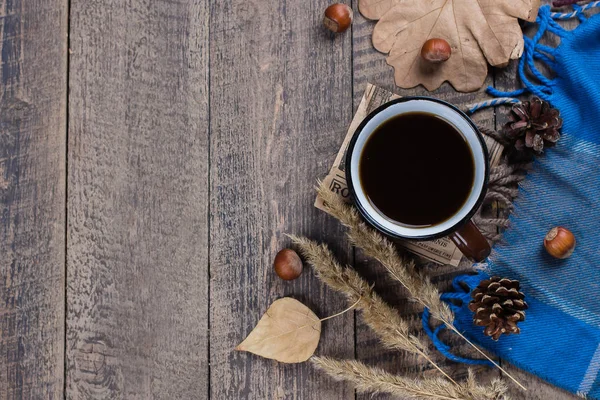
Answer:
(417, 170)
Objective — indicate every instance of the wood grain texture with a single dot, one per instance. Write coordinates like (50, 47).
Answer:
(196, 132)
(33, 40)
(281, 100)
(370, 66)
(137, 264)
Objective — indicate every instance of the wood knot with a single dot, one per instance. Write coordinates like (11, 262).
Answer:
(96, 369)
(246, 12)
(13, 110)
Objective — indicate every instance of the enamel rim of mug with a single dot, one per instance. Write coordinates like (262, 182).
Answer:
(363, 211)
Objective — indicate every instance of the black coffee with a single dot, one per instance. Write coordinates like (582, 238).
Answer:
(417, 169)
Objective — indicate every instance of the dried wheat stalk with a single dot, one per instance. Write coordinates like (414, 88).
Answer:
(380, 248)
(400, 268)
(369, 379)
(383, 319)
(393, 331)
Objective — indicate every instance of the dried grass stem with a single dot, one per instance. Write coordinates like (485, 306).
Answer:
(370, 379)
(380, 248)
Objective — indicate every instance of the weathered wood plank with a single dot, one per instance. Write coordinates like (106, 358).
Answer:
(370, 66)
(137, 262)
(281, 100)
(33, 40)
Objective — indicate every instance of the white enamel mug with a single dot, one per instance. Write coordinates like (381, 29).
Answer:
(459, 227)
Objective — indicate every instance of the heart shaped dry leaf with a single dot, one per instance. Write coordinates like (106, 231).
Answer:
(289, 332)
(477, 30)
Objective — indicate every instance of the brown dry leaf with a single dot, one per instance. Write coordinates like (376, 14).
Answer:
(477, 30)
(289, 332)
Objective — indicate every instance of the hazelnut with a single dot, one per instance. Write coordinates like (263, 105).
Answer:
(560, 242)
(287, 264)
(436, 51)
(338, 17)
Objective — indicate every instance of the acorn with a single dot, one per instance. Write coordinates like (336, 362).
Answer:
(560, 242)
(288, 265)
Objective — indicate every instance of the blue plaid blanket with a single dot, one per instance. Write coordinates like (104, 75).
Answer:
(560, 339)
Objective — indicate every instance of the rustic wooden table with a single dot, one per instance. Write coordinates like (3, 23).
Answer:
(152, 156)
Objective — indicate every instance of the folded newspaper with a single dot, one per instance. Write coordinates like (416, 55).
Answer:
(442, 251)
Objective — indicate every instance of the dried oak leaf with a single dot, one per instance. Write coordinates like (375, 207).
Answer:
(289, 332)
(477, 30)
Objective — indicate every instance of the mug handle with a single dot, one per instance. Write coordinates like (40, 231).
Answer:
(471, 242)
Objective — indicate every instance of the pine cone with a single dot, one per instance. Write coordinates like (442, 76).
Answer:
(499, 306)
(534, 124)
